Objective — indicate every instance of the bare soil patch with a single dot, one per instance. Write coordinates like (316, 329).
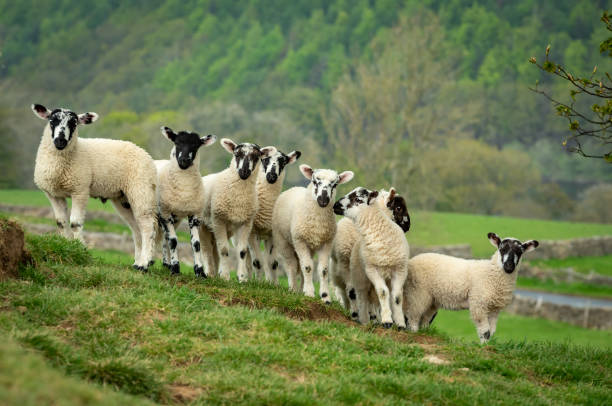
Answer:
(12, 248)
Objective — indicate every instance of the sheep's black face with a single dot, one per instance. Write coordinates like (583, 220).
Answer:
(397, 205)
(511, 250)
(274, 164)
(63, 123)
(247, 156)
(324, 182)
(186, 145)
(357, 197)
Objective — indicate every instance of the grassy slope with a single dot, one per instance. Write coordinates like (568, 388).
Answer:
(428, 228)
(601, 265)
(163, 338)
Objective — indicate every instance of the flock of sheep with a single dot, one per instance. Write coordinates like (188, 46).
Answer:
(365, 254)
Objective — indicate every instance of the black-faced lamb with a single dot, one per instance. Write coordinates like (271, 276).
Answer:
(180, 193)
(304, 224)
(69, 166)
(485, 287)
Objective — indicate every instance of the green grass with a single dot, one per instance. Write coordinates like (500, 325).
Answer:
(601, 265)
(428, 228)
(90, 327)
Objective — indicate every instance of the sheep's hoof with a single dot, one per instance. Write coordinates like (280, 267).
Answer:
(175, 269)
(140, 268)
(152, 262)
(198, 270)
(400, 328)
(166, 265)
(354, 315)
(387, 325)
(372, 317)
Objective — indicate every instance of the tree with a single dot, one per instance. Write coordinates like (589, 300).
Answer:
(591, 132)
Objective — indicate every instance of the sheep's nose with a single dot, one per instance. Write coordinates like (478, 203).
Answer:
(338, 208)
(184, 163)
(508, 267)
(271, 177)
(323, 201)
(60, 143)
(244, 173)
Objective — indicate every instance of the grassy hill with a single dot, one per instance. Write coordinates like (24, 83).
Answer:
(92, 330)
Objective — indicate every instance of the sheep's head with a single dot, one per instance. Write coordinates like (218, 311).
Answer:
(511, 250)
(186, 145)
(349, 204)
(397, 205)
(324, 182)
(274, 164)
(63, 123)
(246, 156)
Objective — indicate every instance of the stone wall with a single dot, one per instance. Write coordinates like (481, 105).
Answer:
(564, 275)
(578, 247)
(588, 317)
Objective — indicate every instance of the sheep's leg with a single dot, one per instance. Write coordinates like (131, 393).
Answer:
(397, 296)
(207, 245)
(270, 273)
(362, 302)
(428, 317)
(194, 225)
(220, 231)
(382, 291)
(306, 265)
(257, 256)
(172, 241)
(128, 216)
(60, 211)
(242, 244)
(481, 320)
(77, 215)
(146, 224)
(323, 269)
(493, 322)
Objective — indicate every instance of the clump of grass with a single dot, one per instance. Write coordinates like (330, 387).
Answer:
(51, 248)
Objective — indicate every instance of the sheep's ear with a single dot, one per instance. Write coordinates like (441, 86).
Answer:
(267, 151)
(391, 196)
(168, 133)
(494, 239)
(345, 176)
(372, 196)
(41, 111)
(208, 140)
(530, 245)
(88, 118)
(228, 144)
(306, 171)
(293, 156)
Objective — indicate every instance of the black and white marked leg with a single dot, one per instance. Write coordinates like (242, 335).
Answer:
(258, 257)
(481, 320)
(382, 291)
(306, 265)
(172, 241)
(323, 270)
(198, 265)
(146, 224)
(242, 244)
(60, 211)
(220, 232)
(397, 297)
(77, 215)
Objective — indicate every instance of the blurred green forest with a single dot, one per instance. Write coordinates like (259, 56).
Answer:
(430, 96)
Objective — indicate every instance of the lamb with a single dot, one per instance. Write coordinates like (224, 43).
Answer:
(269, 186)
(230, 205)
(485, 287)
(347, 236)
(382, 252)
(180, 194)
(67, 166)
(303, 223)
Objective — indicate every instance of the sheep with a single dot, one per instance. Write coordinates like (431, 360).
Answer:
(268, 186)
(180, 194)
(68, 166)
(303, 223)
(230, 205)
(347, 236)
(382, 252)
(485, 287)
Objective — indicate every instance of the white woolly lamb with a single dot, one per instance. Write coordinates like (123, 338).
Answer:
(382, 252)
(68, 166)
(485, 287)
(303, 223)
(347, 236)
(230, 205)
(180, 194)
(269, 186)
